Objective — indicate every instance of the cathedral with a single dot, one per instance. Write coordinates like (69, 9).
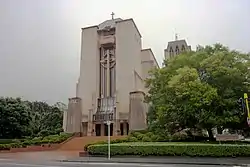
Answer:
(111, 87)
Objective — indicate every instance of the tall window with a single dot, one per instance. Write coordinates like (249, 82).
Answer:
(183, 48)
(171, 52)
(107, 72)
(177, 51)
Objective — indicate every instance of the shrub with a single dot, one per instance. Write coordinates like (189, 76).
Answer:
(132, 139)
(180, 137)
(5, 146)
(16, 143)
(148, 136)
(140, 137)
(159, 138)
(123, 140)
(44, 133)
(172, 149)
(135, 132)
(26, 143)
(146, 139)
(6, 141)
(17, 140)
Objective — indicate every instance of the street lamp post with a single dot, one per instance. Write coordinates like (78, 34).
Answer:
(108, 123)
(109, 110)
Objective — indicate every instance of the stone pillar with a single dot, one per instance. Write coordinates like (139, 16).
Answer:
(73, 118)
(138, 111)
(116, 128)
(65, 118)
(125, 128)
(91, 126)
(102, 129)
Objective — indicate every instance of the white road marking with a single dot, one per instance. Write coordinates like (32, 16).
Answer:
(87, 163)
(117, 164)
(6, 159)
(82, 163)
(35, 165)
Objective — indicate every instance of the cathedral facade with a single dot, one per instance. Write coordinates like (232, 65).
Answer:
(111, 85)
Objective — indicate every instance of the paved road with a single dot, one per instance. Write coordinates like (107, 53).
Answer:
(48, 159)
(48, 163)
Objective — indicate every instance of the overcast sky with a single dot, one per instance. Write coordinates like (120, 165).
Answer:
(40, 39)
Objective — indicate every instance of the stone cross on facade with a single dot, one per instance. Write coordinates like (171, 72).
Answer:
(112, 14)
(176, 36)
(108, 62)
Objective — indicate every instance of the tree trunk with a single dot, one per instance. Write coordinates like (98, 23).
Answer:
(210, 134)
(219, 130)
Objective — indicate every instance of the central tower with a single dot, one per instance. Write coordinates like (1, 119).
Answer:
(106, 102)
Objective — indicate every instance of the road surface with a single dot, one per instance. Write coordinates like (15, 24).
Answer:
(51, 159)
(49, 163)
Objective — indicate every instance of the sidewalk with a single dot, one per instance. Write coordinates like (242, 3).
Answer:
(165, 160)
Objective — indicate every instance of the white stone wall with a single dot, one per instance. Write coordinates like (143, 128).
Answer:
(138, 111)
(148, 62)
(65, 116)
(73, 118)
(128, 60)
(89, 69)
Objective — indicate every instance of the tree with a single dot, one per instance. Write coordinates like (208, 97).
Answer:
(46, 119)
(14, 118)
(20, 118)
(200, 89)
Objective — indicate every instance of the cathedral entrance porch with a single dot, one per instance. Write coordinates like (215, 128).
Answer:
(101, 129)
(124, 128)
(120, 128)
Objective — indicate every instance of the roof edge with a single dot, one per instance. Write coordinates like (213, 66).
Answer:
(133, 23)
(152, 54)
(90, 27)
(137, 91)
(74, 98)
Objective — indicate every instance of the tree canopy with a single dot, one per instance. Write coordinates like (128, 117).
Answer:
(20, 118)
(200, 89)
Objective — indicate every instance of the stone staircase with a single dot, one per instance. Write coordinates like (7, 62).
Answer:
(78, 143)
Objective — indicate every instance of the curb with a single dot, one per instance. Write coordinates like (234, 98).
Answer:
(154, 162)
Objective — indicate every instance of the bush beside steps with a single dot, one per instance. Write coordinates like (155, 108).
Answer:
(172, 149)
(37, 141)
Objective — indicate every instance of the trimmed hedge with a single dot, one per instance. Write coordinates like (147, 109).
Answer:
(52, 139)
(172, 149)
(6, 141)
(124, 140)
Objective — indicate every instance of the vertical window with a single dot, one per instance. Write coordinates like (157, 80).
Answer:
(177, 51)
(107, 72)
(171, 52)
(183, 48)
